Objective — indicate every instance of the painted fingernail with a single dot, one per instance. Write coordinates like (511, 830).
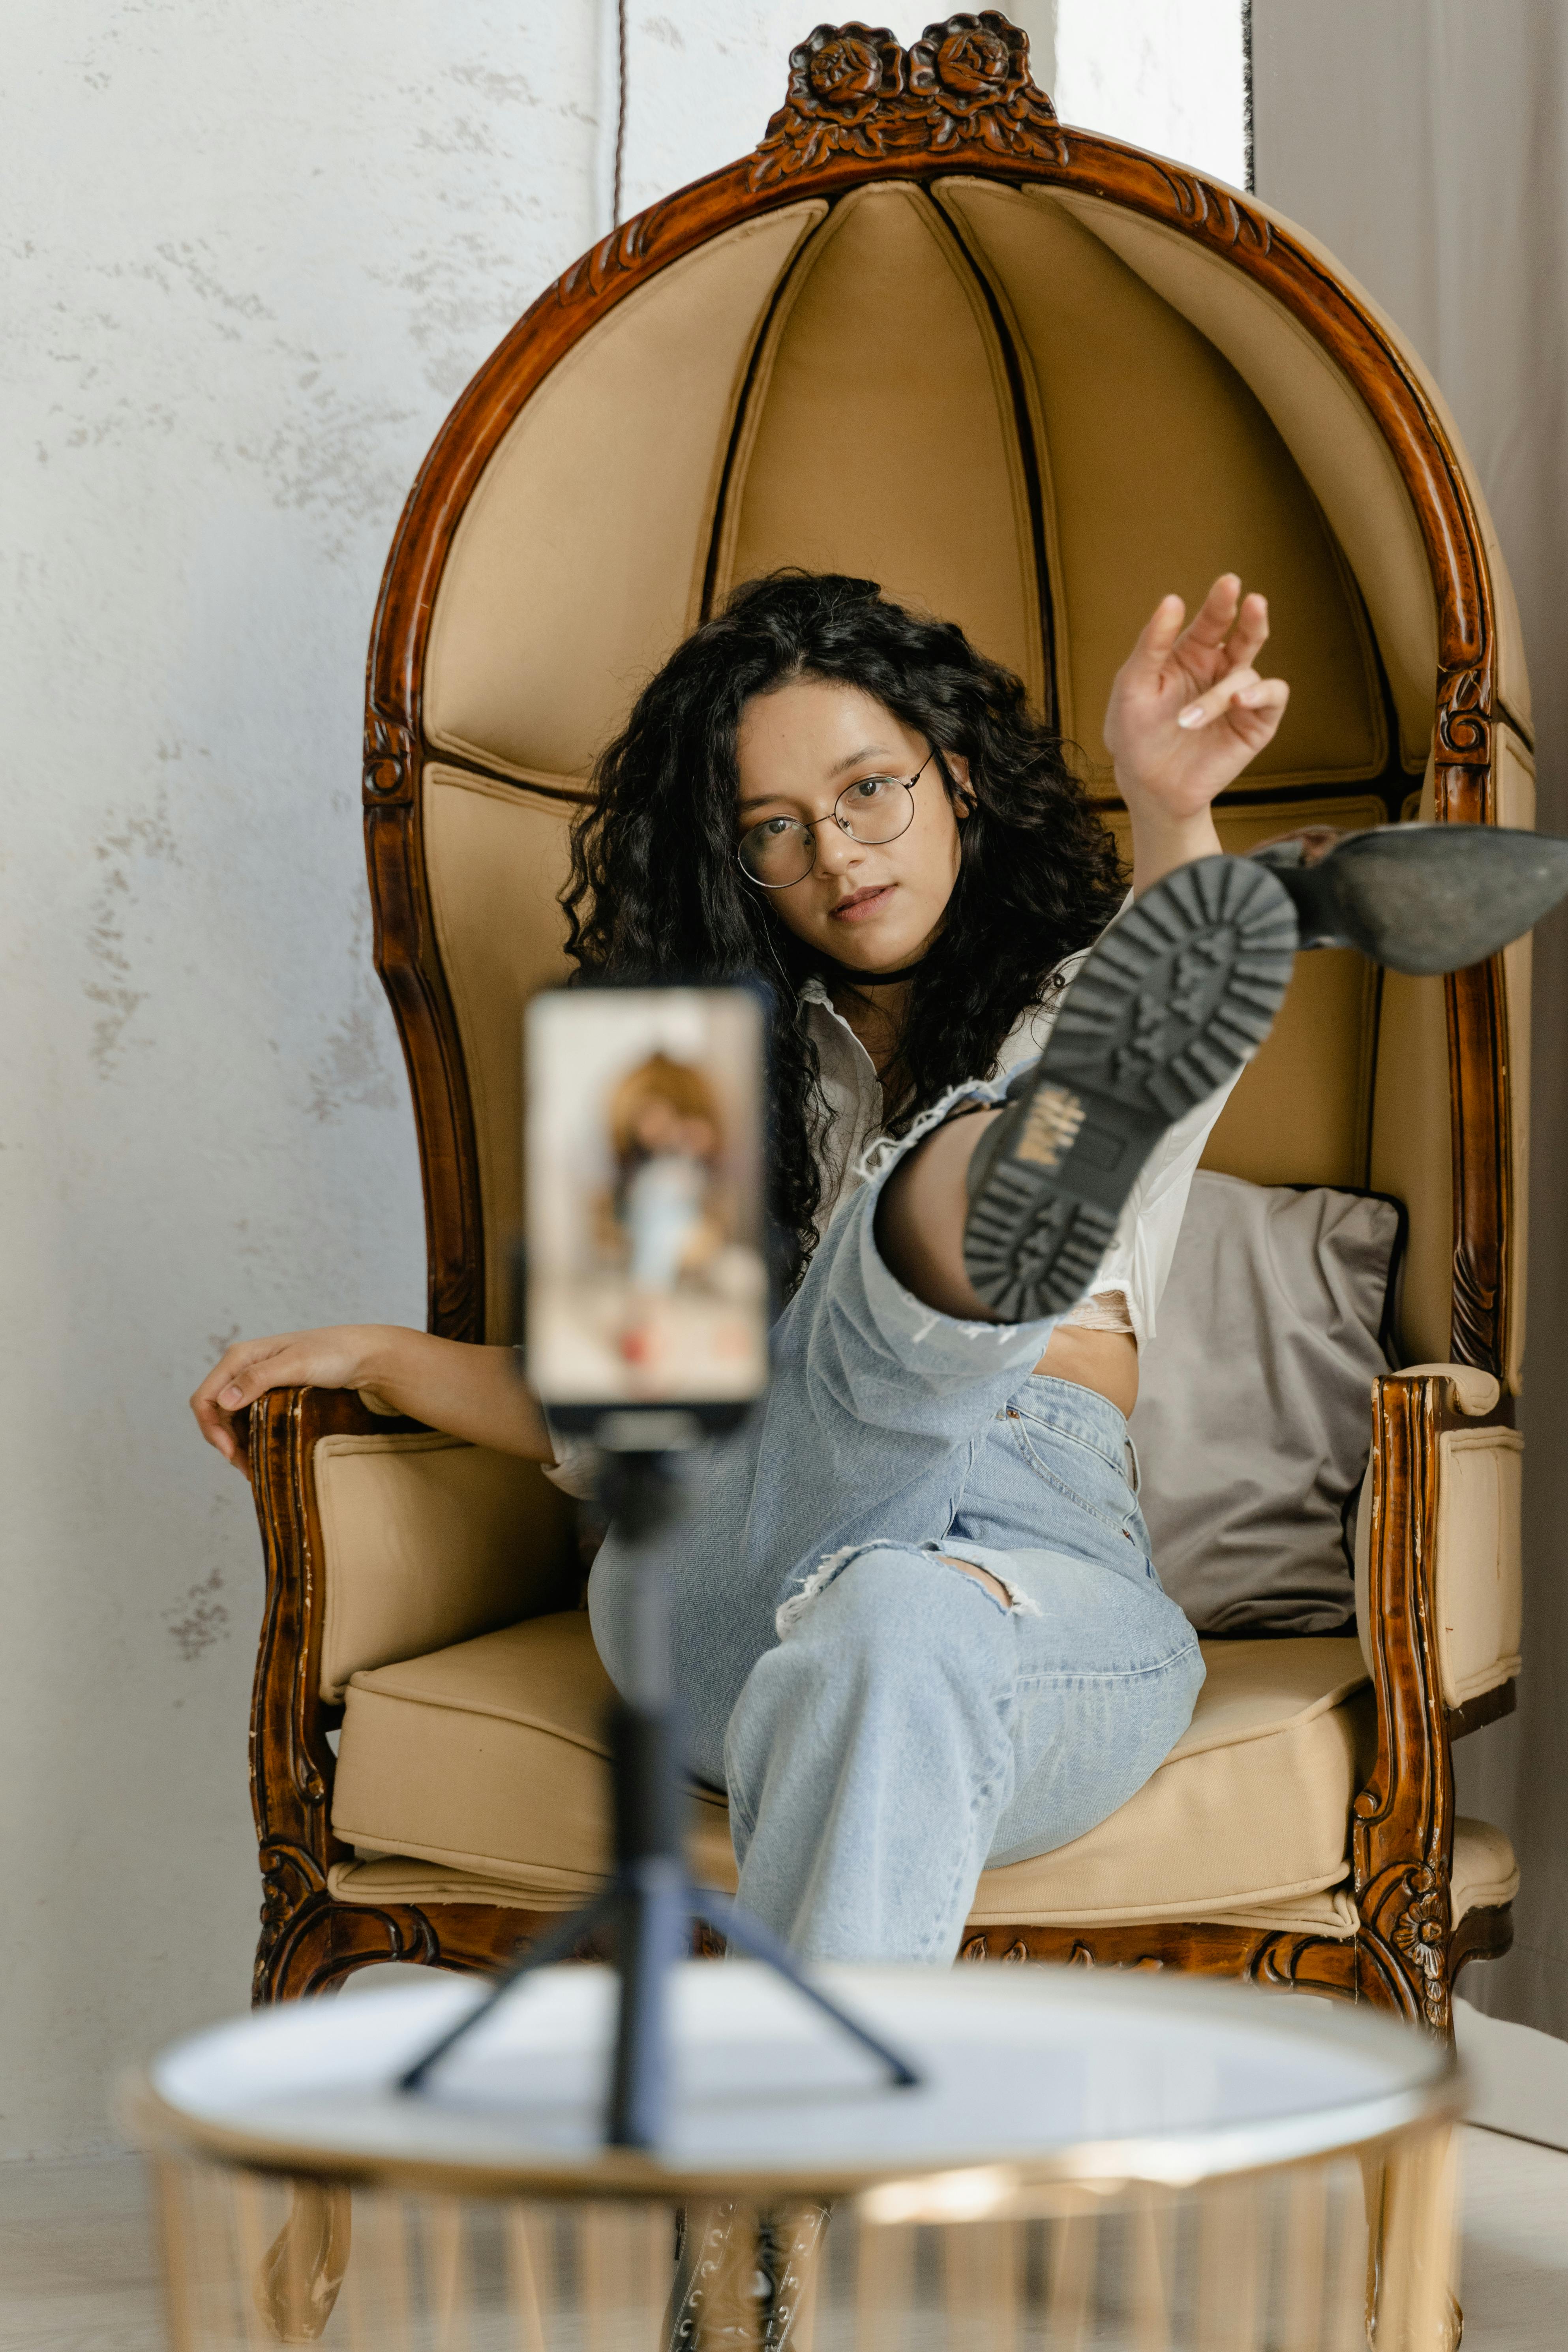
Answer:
(233, 1394)
(1192, 716)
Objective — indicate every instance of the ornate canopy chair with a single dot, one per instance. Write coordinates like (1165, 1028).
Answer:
(1029, 378)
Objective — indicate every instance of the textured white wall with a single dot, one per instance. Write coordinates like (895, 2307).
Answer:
(1165, 74)
(254, 255)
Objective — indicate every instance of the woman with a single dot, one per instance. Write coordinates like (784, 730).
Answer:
(916, 1622)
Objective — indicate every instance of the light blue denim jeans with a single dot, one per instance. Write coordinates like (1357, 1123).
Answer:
(884, 1727)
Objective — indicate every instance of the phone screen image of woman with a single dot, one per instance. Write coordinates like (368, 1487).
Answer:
(643, 1169)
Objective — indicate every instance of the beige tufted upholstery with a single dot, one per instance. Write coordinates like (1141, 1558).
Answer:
(580, 560)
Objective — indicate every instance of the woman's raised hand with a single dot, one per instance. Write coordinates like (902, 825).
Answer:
(1188, 710)
(340, 1357)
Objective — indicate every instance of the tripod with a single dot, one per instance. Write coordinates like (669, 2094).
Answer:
(650, 1902)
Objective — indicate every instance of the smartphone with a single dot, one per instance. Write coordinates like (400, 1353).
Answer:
(646, 1267)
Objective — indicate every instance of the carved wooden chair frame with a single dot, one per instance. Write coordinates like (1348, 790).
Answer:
(949, 102)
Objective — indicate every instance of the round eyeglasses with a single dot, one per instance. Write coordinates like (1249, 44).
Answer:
(782, 849)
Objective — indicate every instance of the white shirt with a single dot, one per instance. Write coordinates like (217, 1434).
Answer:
(1139, 1258)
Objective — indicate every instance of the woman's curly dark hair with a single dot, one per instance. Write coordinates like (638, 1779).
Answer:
(655, 893)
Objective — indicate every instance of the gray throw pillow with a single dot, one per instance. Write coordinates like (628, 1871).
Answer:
(1254, 1420)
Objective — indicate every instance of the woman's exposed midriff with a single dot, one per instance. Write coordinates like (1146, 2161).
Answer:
(1105, 1361)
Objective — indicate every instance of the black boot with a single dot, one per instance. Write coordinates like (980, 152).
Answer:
(1176, 995)
(1419, 898)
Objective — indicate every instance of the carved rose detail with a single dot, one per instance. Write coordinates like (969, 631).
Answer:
(852, 91)
(840, 77)
(845, 75)
(970, 61)
(973, 74)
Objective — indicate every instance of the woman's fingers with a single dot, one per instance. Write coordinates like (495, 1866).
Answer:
(336, 1357)
(1197, 678)
(238, 1363)
(1227, 632)
(289, 1368)
(1210, 625)
(235, 1444)
(241, 1374)
(216, 1427)
(1158, 635)
(231, 1436)
(1251, 633)
(1239, 693)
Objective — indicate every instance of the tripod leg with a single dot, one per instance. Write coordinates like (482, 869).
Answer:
(738, 1927)
(652, 1903)
(572, 1932)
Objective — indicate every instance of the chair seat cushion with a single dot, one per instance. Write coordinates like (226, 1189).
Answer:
(489, 1759)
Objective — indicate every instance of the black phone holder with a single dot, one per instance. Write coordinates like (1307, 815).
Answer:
(647, 1909)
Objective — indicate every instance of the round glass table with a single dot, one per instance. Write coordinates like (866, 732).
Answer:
(1088, 2158)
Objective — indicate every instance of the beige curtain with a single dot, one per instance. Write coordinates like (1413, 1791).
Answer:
(1426, 143)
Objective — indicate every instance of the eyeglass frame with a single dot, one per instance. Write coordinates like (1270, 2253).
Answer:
(810, 825)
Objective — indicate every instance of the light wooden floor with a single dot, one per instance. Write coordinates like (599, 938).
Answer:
(77, 2272)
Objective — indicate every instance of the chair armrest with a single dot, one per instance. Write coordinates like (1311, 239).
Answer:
(1402, 1825)
(382, 1540)
(1475, 1537)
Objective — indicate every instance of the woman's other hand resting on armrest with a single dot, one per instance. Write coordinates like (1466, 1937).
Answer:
(450, 1384)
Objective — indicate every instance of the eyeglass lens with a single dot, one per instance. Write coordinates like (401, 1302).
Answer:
(782, 850)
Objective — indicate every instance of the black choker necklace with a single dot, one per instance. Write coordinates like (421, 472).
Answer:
(852, 978)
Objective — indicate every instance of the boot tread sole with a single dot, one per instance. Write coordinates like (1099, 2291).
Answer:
(1172, 1001)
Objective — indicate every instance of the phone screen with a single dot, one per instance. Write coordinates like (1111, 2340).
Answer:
(646, 1274)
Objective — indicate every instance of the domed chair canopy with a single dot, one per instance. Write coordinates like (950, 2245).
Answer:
(1031, 379)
